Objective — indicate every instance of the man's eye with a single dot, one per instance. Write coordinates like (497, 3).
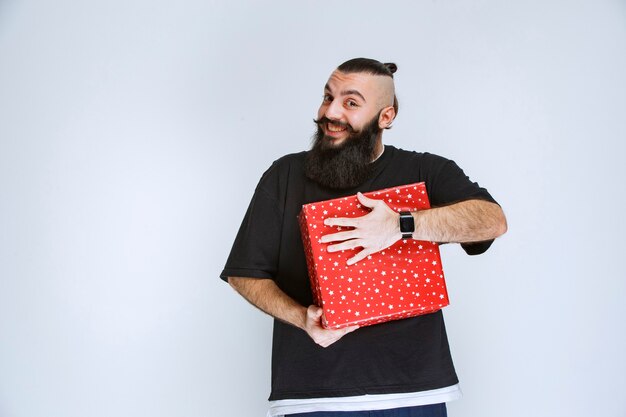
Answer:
(328, 98)
(351, 103)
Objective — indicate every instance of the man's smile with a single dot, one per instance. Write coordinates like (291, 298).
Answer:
(336, 128)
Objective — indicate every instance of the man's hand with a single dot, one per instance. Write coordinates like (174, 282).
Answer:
(265, 295)
(321, 336)
(373, 232)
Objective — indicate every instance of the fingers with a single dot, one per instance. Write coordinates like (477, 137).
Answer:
(334, 237)
(358, 257)
(321, 336)
(342, 221)
(367, 202)
(353, 221)
(369, 232)
(350, 329)
(328, 337)
(347, 245)
(314, 313)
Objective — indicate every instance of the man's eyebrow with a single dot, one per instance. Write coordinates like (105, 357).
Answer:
(353, 92)
(347, 92)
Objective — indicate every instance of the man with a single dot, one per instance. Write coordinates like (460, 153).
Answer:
(403, 365)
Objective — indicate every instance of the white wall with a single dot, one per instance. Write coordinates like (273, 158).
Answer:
(132, 134)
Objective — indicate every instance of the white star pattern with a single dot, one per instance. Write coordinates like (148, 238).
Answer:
(365, 299)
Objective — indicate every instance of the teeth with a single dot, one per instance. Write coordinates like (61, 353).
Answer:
(335, 128)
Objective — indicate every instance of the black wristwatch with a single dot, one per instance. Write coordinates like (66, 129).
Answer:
(407, 224)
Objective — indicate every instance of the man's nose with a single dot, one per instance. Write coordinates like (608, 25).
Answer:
(333, 111)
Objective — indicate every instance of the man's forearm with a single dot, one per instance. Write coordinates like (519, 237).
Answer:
(265, 295)
(467, 221)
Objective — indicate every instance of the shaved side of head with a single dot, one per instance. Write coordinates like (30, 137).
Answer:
(386, 89)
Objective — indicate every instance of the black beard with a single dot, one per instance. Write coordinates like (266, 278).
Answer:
(346, 165)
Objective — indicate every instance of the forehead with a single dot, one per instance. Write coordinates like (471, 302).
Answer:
(340, 83)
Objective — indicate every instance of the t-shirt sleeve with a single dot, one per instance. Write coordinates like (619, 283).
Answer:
(450, 185)
(255, 251)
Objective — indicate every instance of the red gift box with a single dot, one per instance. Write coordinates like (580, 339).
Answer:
(404, 280)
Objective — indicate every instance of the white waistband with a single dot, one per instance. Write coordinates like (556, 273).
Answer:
(365, 402)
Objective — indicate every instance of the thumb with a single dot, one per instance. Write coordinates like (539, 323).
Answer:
(315, 312)
(367, 202)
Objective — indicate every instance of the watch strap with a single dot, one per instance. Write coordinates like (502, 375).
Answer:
(407, 224)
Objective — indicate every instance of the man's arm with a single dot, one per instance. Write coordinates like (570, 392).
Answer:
(266, 296)
(466, 221)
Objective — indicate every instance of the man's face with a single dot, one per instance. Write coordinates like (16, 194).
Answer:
(350, 102)
(349, 122)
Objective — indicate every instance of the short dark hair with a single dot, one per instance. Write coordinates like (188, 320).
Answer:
(368, 66)
(373, 67)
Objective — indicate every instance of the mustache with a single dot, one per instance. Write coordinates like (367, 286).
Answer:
(323, 120)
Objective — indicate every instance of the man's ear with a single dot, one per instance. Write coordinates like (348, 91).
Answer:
(386, 117)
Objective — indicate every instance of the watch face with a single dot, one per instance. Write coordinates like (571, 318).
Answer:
(407, 225)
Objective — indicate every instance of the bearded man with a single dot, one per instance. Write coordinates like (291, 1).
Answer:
(398, 368)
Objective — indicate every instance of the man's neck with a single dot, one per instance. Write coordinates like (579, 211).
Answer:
(378, 150)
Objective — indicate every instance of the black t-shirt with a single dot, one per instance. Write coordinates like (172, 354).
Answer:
(395, 357)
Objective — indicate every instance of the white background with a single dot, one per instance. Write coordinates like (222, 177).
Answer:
(132, 135)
